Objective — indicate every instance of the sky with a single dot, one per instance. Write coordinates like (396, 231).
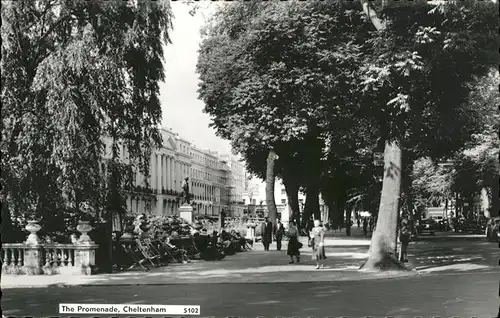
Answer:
(181, 108)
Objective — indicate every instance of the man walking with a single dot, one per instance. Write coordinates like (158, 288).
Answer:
(365, 227)
(266, 230)
(404, 238)
(279, 234)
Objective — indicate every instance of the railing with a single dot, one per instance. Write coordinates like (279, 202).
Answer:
(18, 258)
(34, 258)
(12, 255)
(59, 256)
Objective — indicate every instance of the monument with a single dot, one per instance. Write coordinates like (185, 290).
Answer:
(186, 210)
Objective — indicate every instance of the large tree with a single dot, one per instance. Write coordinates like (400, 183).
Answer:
(274, 73)
(73, 74)
(416, 79)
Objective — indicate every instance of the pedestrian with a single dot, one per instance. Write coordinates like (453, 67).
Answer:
(279, 234)
(371, 224)
(365, 227)
(404, 238)
(266, 230)
(359, 223)
(318, 244)
(293, 242)
(309, 225)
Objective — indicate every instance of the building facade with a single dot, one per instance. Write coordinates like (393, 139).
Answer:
(255, 200)
(215, 181)
(235, 185)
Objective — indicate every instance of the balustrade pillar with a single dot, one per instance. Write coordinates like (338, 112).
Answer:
(33, 252)
(85, 250)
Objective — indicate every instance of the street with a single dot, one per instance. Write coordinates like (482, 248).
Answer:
(462, 295)
(445, 251)
(458, 276)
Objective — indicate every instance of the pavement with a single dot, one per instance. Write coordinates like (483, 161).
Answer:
(465, 295)
(452, 276)
(444, 253)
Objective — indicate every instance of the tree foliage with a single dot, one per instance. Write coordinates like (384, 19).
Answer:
(270, 78)
(417, 75)
(476, 166)
(276, 75)
(72, 73)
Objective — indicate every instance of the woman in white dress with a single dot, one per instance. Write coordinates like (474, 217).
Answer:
(318, 244)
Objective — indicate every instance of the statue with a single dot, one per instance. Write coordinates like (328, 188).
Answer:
(185, 191)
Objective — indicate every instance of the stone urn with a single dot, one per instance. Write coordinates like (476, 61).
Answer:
(33, 227)
(84, 227)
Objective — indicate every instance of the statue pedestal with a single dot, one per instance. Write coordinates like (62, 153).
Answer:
(186, 212)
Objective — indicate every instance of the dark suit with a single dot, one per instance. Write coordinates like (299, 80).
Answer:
(266, 230)
(279, 235)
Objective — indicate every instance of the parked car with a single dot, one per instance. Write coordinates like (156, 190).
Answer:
(459, 225)
(442, 224)
(476, 228)
(427, 226)
(492, 227)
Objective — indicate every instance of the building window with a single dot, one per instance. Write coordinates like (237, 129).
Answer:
(283, 201)
(283, 192)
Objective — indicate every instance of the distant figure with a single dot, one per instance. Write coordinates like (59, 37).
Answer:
(317, 244)
(404, 238)
(280, 229)
(359, 223)
(371, 224)
(185, 191)
(365, 227)
(266, 231)
(174, 251)
(293, 242)
(309, 225)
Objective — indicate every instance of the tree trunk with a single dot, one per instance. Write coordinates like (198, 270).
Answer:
(495, 199)
(348, 214)
(270, 180)
(7, 226)
(331, 210)
(383, 245)
(312, 202)
(292, 193)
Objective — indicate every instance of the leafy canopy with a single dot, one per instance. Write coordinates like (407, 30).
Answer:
(72, 73)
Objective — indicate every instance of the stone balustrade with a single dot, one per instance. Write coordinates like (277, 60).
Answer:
(34, 258)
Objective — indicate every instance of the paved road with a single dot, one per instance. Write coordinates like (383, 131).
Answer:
(447, 249)
(461, 295)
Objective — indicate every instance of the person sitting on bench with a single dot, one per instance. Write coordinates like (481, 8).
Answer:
(176, 252)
